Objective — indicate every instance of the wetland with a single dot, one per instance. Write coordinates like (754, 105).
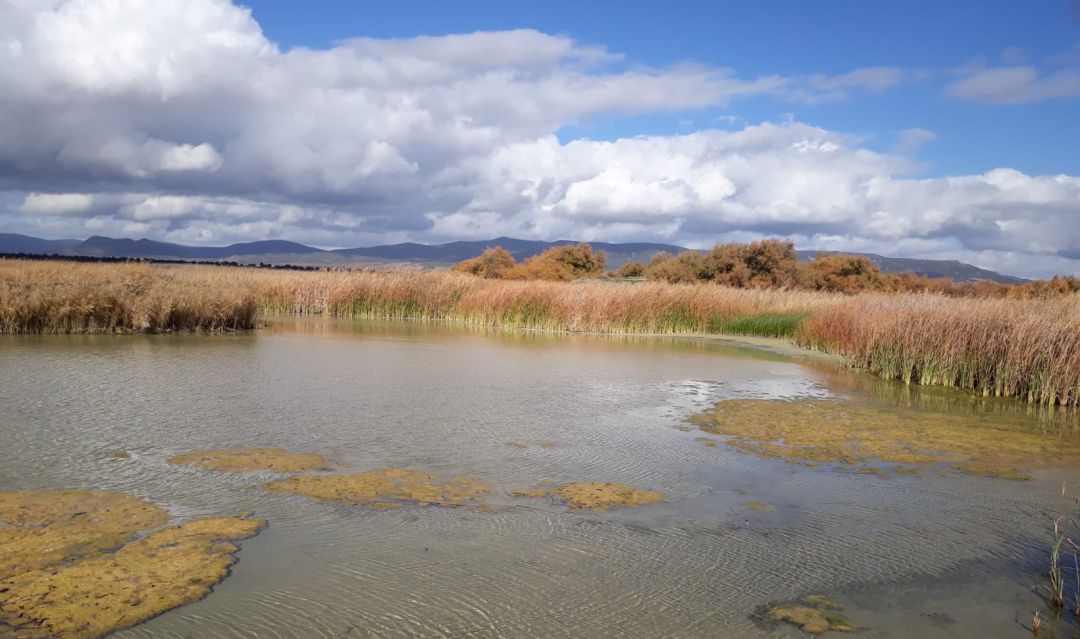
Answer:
(410, 479)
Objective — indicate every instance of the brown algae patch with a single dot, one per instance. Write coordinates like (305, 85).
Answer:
(516, 445)
(380, 487)
(120, 454)
(595, 495)
(242, 460)
(707, 441)
(814, 614)
(75, 571)
(817, 431)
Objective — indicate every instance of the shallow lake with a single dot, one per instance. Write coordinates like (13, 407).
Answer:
(941, 554)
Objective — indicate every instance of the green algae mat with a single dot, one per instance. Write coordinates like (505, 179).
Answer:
(73, 566)
(865, 438)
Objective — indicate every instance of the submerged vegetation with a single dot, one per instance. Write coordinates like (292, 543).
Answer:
(384, 488)
(814, 614)
(595, 495)
(72, 567)
(997, 346)
(241, 460)
(813, 432)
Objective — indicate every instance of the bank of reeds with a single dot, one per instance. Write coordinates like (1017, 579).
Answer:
(63, 297)
(997, 347)
(581, 306)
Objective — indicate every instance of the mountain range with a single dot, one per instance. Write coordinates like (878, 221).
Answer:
(285, 252)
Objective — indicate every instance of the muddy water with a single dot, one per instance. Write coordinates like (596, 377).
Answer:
(941, 554)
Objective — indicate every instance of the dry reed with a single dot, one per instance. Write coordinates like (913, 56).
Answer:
(62, 297)
(997, 347)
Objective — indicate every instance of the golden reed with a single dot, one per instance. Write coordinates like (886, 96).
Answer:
(1002, 347)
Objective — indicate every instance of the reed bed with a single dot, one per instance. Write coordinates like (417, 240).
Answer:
(996, 347)
(602, 307)
(63, 297)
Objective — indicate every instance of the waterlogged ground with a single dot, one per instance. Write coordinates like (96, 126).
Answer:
(508, 485)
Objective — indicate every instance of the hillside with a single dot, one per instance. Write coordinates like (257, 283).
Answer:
(285, 252)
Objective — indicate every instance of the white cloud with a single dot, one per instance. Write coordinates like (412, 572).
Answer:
(181, 121)
(910, 140)
(57, 203)
(1016, 84)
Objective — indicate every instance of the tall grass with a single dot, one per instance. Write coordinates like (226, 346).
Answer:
(997, 347)
(62, 297)
(582, 306)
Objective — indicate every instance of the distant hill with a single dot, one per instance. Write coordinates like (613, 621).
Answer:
(958, 271)
(284, 252)
(618, 254)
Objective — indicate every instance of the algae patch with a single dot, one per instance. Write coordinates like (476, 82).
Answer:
(40, 528)
(814, 614)
(382, 487)
(759, 506)
(813, 432)
(69, 567)
(241, 460)
(595, 495)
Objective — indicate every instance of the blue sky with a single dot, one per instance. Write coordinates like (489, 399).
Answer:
(788, 38)
(941, 130)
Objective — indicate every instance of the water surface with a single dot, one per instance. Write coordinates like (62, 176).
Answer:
(942, 554)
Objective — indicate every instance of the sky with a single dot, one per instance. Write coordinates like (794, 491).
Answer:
(915, 129)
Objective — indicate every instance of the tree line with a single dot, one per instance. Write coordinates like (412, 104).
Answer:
(769, 263)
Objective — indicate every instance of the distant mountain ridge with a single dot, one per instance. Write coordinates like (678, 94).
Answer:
(285, 252)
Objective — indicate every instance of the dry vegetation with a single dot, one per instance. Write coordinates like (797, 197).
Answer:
(66, 297)
(1024, 343)
(996, 347)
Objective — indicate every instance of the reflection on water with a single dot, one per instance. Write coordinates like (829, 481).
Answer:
(940, 555)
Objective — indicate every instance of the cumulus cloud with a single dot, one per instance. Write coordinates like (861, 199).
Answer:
(182, 121)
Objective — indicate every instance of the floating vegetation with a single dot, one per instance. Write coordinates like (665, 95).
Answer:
(121, 454)
(595, 495)
(69, 566)
(758, 505)
(813, 432)
(546, 444)
(516, 445)
(242, 460)
(382, 487)
(814, 614)
(707, 441)
(40, 528)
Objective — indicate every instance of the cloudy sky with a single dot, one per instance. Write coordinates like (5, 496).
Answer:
(903, 128)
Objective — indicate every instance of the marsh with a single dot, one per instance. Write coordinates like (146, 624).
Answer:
(937, 553)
